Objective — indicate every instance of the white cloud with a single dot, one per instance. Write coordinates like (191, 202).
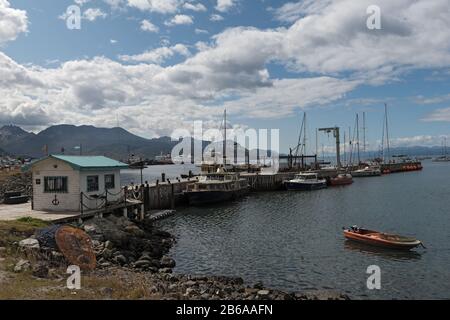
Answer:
(225, 5)
(92, 14)
(179, 19)
(215, 17)
(115, 4)
(113, 41)
(158, 55)
(198, 7)
(201, 31)
(159, 6)
(418, 141)
(146, 25)
(292, 11)
(232, 70)
(12, 22)
(439, 115)
(81, 2)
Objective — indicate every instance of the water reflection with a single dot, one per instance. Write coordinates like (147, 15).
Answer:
(398, 255)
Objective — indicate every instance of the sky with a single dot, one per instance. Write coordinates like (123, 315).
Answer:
(153, 66)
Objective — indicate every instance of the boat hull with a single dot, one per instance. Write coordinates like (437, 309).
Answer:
(379, 242)
(199, 198)
(356, 174)
(340, 181)
(298, 186)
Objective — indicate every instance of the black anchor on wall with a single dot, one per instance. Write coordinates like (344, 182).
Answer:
(55, 201)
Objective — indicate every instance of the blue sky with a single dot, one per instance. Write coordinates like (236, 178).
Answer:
(265, 61)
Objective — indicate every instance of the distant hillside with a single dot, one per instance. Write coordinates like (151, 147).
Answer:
(115, 142)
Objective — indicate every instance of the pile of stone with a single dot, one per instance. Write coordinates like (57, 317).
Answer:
(133, 244)
(17, 182)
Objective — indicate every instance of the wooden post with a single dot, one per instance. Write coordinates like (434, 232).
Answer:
(142, 213)
(124, 212)
(158, 195)
(172, 197)
(146, 197)
(81, 203)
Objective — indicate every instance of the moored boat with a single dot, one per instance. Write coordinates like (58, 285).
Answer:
(341, 180)
(367, 172)
(306, 182)
(216, 187)
(380, 239)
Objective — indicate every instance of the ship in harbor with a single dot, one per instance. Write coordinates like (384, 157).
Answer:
(368, 171)
(216, 187)
(306, 181)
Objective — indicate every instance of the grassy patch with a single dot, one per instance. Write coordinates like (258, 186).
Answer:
(12, 231)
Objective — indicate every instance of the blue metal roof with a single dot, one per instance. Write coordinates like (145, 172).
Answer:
(87, 162)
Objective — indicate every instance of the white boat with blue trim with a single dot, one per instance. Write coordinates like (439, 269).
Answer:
(306, 181)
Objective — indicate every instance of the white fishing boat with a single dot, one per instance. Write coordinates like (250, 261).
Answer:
(306, 182)
(369, 171)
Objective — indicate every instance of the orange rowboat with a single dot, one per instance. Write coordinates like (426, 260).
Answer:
(380, 239)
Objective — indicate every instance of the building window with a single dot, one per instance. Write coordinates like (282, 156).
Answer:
(92, 183)
(55, 184)
(110, 182)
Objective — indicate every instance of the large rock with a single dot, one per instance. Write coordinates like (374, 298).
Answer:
(22, 265)
(167, 262)
(41, 270)
(29, 243)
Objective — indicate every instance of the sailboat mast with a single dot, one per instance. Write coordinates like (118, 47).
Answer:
(387, 130)
(364, 132)
(357, 138)
(304, 134)
(225, 138)
(317, 142)
(345, 148)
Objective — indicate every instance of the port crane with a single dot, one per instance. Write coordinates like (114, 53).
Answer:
(336, 134)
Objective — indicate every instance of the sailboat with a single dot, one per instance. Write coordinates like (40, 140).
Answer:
(444, 157)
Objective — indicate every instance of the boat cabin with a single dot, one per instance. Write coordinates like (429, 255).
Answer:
(218, 182)
(74, 183)
(307, 176)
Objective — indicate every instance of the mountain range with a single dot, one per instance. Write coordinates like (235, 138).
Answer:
(116, 143)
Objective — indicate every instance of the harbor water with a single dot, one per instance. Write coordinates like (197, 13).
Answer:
(293, 240)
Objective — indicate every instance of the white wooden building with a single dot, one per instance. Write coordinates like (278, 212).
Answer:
(75, 183)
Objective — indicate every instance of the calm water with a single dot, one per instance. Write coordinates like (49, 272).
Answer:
(294, 241)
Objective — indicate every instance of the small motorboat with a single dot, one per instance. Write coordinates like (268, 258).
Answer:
(306, 182)
(341, 180)
(380, 239)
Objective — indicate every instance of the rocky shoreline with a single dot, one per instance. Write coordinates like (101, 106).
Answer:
(135, 252)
